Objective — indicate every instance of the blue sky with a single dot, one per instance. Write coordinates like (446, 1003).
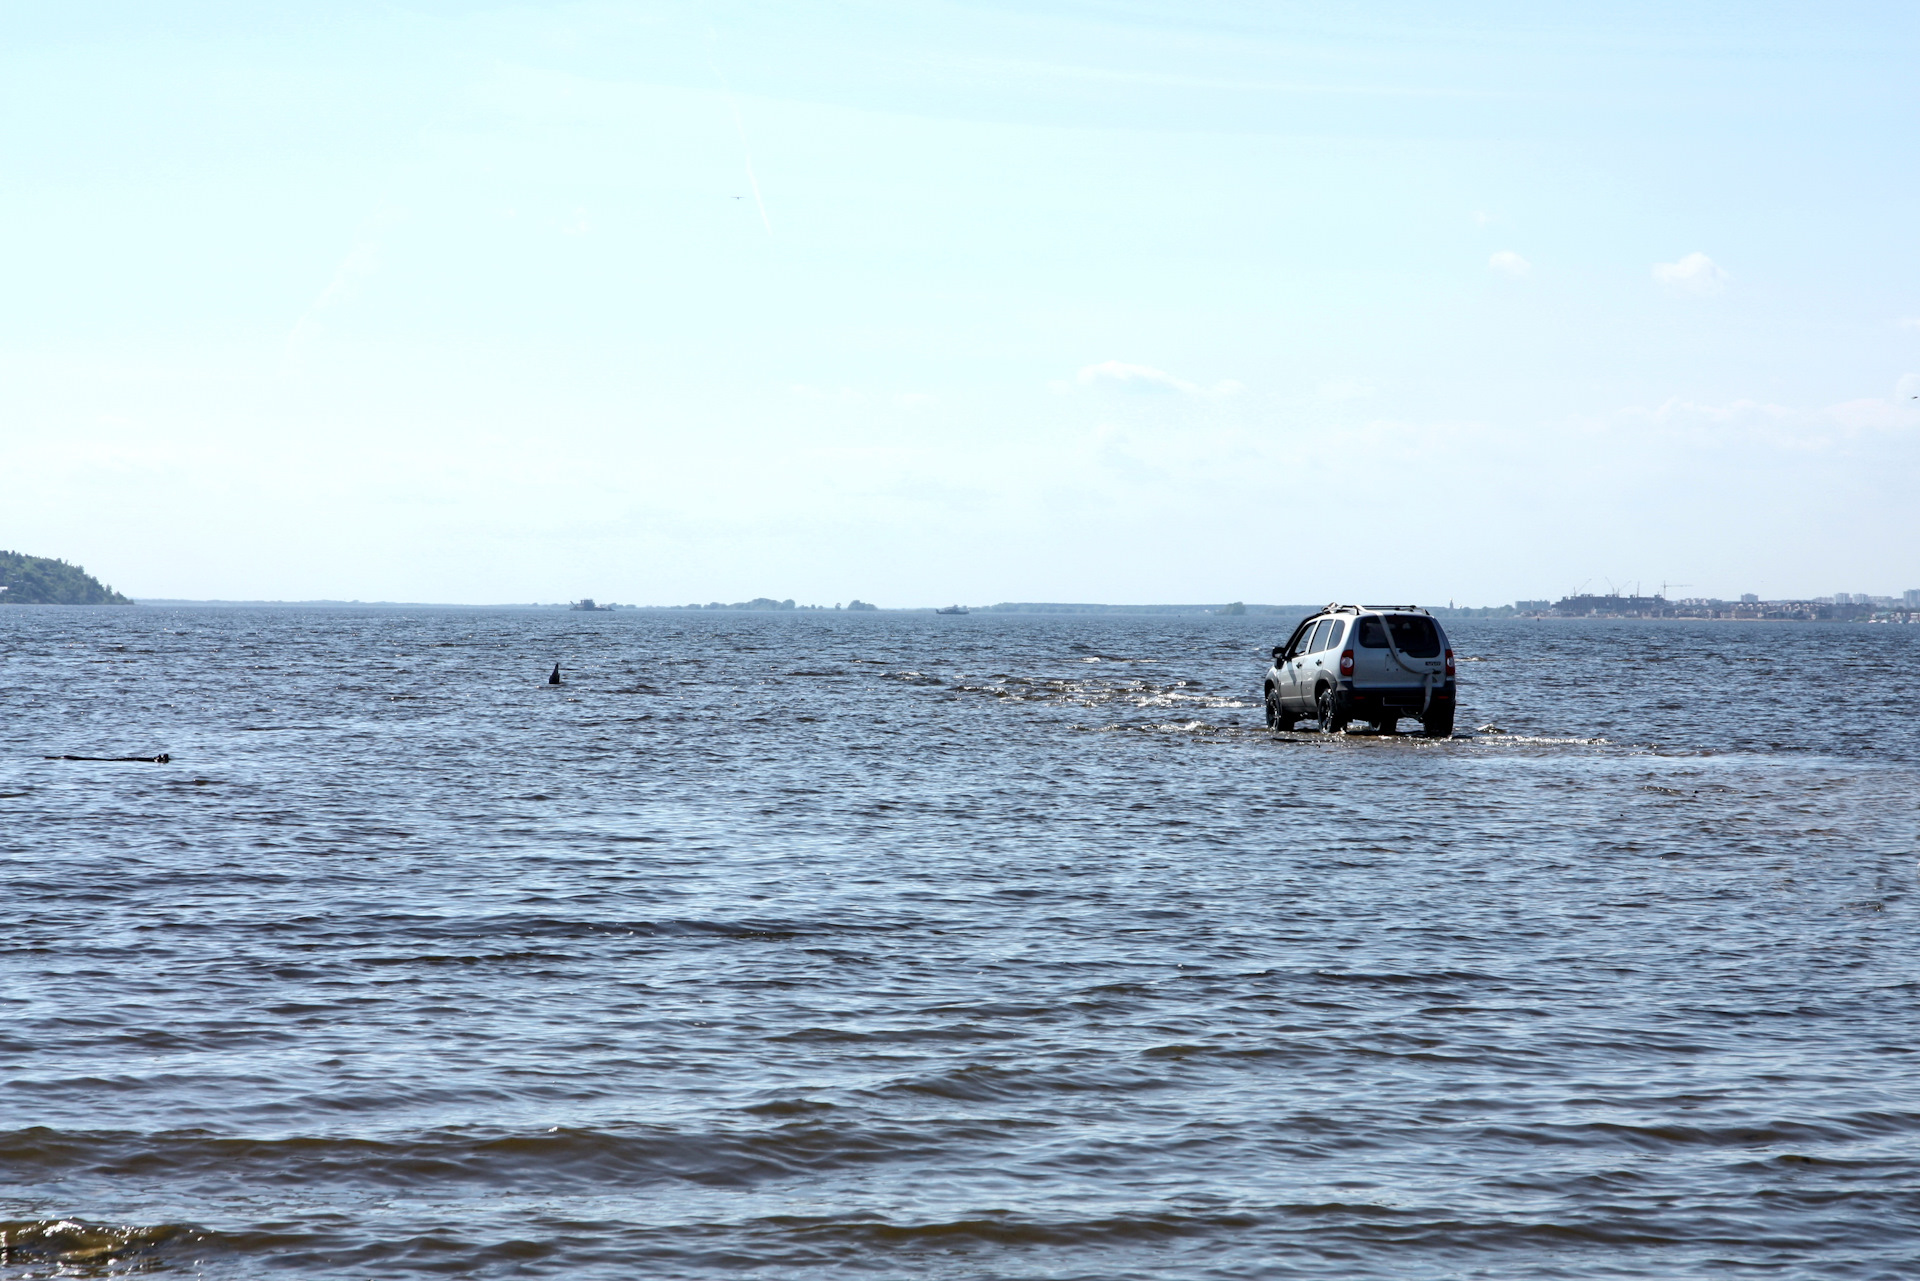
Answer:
(927, 302)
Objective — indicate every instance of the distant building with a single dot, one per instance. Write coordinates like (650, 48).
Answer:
(1532, 606)
(1748, 598)
(1612, 606)
(1911, 598)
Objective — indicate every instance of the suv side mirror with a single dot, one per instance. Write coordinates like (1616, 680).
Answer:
(1278, 652)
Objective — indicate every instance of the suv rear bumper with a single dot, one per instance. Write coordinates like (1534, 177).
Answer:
(1404, 699)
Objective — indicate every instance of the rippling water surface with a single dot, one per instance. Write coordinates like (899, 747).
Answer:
(798, 946)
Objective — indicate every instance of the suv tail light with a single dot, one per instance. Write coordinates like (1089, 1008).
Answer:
(1449, 662)
(1346, 662)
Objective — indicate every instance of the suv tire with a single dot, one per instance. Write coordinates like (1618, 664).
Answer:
(1333, 710)
(1276, 716)
(1438, 723)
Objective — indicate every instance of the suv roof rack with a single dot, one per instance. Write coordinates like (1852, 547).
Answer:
(1337, 608)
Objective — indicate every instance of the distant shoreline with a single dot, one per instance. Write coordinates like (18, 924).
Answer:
(1060, 611)
(1087, 610)
(1452, 615)
(328, 604)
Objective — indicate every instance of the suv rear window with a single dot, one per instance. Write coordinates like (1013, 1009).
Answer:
(1415, 637)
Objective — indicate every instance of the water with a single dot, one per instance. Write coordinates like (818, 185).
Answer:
(948, 947)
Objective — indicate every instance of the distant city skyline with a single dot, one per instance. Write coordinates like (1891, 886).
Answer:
(675, 301)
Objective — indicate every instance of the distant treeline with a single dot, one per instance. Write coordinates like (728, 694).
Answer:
(1235, 608)
(1489, 611)
(41, 580)
(768, 603)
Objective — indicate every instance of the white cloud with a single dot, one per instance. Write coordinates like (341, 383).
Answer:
(1674, 409)
(1843, 425)
(1509, 263)
(1147, 378)
(1135, 376)
(1696, 274)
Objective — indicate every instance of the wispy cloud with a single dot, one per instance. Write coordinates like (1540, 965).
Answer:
(358, 266)
(1509, 263)
(1784, 427)
(740, 127)
(1147, 378)
(1694, 274)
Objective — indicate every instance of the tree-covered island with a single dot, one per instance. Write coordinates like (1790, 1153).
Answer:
(41, 580)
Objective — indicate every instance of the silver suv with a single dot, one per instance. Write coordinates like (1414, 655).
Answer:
(1374, 663)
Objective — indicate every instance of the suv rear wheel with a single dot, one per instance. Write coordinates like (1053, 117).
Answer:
(1333, 710)
(1438, 722)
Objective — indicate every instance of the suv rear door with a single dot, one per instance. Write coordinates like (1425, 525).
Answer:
(1324, 662)
(1415, 636)
(1418, 639)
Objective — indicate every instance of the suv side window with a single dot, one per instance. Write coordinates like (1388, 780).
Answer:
(1320, 636)
(1372, 635)
(1297, 643)
(1339, 630)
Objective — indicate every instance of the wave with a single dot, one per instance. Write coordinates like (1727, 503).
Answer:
(1345, 1236)
(557, 1159)
(400, 930)
(1004, 1228)
(92, 1247)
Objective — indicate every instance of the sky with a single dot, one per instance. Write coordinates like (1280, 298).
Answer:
(961, 302)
